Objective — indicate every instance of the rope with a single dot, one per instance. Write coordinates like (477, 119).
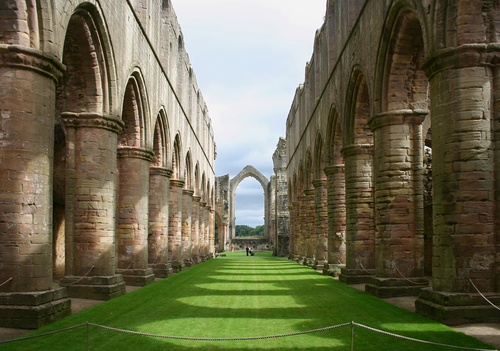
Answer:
(130, 265)
(417, 340)
(5, 282)
(220, 339)
(91, 268)
(366, 270)
(491, 303)
(409, 279)
(39, 336)
(248, 338)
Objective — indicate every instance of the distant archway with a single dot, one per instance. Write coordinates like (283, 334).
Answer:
(249, 171)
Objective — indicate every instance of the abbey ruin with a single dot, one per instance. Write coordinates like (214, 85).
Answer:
(107, 153)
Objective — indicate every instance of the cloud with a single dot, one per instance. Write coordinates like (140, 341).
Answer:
(249, 57)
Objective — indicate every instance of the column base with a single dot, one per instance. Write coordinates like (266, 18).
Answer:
(94, 288)
(177, 266)
(309, 262)
(296, 258)
(203, 258)
(195, 260)
(188, 263)
(137, 277)
(162, 270)
(32, 310)
(356, 276)
(320, 265)
(395, 287)
(457, 308)
(333, 270)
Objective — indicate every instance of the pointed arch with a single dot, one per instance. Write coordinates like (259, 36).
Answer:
(356, 130)
(196, 185)
(188, 177)
(160, 140)
(319, 158)
(176, 158)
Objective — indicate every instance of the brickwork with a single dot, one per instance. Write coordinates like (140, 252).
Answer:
(389, 82)
(187, 217)
(78, 202)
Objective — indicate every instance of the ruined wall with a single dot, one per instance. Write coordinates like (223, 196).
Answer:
(103, 125)
(383, 77)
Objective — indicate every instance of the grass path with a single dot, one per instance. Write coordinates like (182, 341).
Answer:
(240, 296)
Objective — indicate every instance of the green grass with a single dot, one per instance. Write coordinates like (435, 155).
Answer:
(245, 296)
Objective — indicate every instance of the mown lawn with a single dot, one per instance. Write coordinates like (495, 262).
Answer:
(244, 296)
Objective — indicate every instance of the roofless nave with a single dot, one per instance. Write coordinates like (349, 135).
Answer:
(122, 189)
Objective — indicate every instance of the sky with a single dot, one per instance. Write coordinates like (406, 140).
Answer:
(249, 57)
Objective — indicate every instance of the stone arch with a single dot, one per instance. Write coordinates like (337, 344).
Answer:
(249, 171)
(176, 158)
(358, 158)
(188, 176)
(196, 185)
(160, 140)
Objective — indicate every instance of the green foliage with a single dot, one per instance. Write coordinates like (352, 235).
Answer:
(244, 231)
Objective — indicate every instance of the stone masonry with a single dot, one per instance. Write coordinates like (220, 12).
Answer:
(107, 154)
(382, 76)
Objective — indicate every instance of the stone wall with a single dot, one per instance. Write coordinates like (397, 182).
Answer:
(105, 138)
(382, 76)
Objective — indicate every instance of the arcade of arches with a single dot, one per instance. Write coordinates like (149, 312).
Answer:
(364, 201)
(107, 155)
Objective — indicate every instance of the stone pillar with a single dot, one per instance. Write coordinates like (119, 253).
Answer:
(91, 163)
(195, 230)
(175, 225)
(187, 211)
(211, 233)
(321, 224)
(336, 219)
(464, 184)
(310, 226)
(202, 248)
(132, 216)
(159, 187)
(291, 211)
(27, 101)
(301, 228)
(360, 222)
(399, 192)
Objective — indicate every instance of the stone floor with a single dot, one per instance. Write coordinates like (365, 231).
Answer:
(486, 332)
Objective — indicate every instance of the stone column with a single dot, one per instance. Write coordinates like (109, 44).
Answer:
(321, 224)
(211, 233)
(336, 219)
(195, 230)
(291, 211)
(464, 183)
(202, 248)
(301, 228)
(310, 225)
(398, 174)
(175, 225)
(187, 211)
(360, 222)
(159, 188)
(132, 216)
(27, 101)
(91, 163)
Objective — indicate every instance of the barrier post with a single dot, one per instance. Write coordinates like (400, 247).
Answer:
(88, 337)
(352, 336)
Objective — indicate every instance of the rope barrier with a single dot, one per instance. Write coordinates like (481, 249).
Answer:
(5, 282)
(484, 297)
(352, 324)
(409, 279)
(370, 273)
(417, 340)
(91, 268)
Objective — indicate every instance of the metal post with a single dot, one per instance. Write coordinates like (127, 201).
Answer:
(352, 336)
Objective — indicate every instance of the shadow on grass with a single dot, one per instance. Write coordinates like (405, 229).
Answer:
(208, 301)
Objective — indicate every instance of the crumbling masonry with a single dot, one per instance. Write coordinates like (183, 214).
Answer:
(384, 74)
(106, 154)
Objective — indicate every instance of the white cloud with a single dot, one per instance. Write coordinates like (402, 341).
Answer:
(249, 57)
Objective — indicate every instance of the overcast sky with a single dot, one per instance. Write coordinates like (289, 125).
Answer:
(249, 57)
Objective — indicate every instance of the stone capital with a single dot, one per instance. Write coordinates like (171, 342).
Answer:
(22, 57)
(187, 192)
(161, 171)
(92, 120)
(309, 192)
(176, 183)
(196, 198)
(319, 183)
(357, 149)
(398, 117)
(332, 170)
(466, 55)
(135, 152)
(203, 204)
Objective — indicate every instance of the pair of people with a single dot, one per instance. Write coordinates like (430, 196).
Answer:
(249, 251)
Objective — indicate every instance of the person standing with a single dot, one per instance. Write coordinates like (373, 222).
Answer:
(232, 248)
(248, 249)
